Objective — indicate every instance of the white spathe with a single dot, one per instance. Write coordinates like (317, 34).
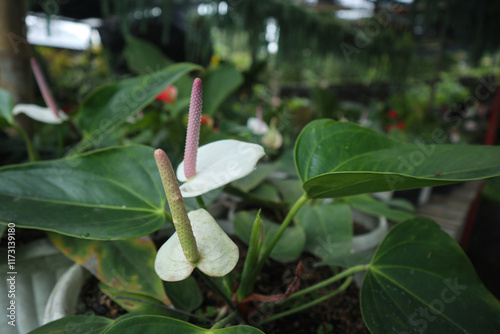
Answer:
(218, 253)
(218, 164)
(257, 126)
(40, 114)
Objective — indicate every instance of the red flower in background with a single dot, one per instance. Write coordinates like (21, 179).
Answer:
(401, 125)
(168, 95)
(392, 114)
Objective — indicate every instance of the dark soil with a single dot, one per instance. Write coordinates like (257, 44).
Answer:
(340, 314)
(94, 301)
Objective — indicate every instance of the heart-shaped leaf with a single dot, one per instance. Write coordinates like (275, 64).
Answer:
(143, 57)
(328, 228)
(336, 159)
(288, 248)
(110, 105)
(161, 325)
(420, 281)
(126, 265)
(108, 194)
(141, 304)
(185, 295)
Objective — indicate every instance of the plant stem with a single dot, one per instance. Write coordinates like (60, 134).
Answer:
(32, 153)
(288, 219)
(311, 303)
(345, 273)
(217, 289)
(201, 202)
(225, 321)
(168, 216)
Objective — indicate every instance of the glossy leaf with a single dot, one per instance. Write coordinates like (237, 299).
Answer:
(110, 105)
(328, 228)
(141, 304)
(162, 325)
(218, 85)
(6, 105)
(289, 247)
(108, 194)
(336, 159)
(374, 207)
(88, 324)
(126, 265)
(420, 281)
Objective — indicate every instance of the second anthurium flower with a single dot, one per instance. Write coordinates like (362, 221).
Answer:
(216, 164)
(198, 241)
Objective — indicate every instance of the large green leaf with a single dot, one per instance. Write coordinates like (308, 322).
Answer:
(288, 248)
(328, 228)
(126, 265)
(88, 324)
(6, 105)
(218, 85)
(141, 304)
(162, 325)
(185, 295)
(372, 206)
(420, 281)
(337, 159)
(110, 105)
(108, 194)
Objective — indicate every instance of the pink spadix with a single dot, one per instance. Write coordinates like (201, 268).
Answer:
(193, 130)
(44, 87)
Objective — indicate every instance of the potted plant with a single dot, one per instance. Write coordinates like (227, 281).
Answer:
(98, 207)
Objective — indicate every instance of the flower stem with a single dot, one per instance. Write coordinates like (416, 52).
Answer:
(44, 87)
(288, 219)
(302, 307)
(345, 273)
(32, 152)
(201, 202)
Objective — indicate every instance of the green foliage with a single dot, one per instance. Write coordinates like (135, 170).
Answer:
(395, 299)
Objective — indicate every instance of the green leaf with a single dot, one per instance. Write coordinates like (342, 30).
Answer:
(161, 325)
(6, 105)
(110, 105)
(266, 192)
(290, 189)
(218, 85)
(185, 295)
(336, 159)
(108, 194)
(144, 57)
(255, 178)
(88, 324)
(126, 265)
(288, 248)
(328, 228)
(374, 207)
(141, 304)
(420, 281)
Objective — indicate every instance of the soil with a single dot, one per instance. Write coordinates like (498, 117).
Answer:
(94, 301)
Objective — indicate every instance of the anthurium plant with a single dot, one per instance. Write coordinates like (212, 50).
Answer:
(100, 207)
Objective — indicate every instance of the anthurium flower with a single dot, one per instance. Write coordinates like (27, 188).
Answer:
(168, 95)
(52, 114)
(256, 124)
(216, 164)
(198, 240)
